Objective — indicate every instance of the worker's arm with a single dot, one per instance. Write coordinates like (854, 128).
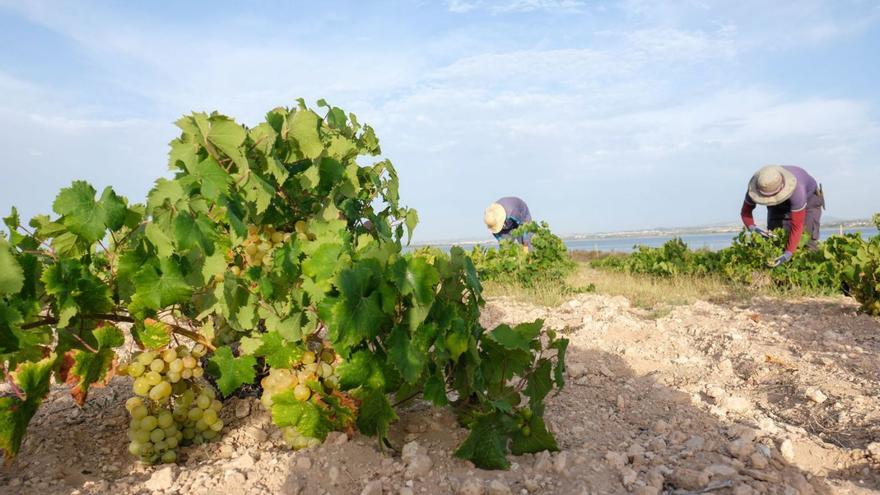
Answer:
(746, 214)
(797, 229)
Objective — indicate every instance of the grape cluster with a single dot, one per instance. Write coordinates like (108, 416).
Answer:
(315, 370)
(169, 408)
(257, 248)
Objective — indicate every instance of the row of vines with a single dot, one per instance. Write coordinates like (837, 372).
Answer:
(847, 264)
(272, 259)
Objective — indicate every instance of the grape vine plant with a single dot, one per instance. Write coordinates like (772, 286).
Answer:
(272, 257)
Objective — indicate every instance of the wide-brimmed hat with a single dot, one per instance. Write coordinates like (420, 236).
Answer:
(772, 185)
(495, 216)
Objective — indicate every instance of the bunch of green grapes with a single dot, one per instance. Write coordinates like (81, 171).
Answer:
(259, 245)
(313, 375)
(169, 408)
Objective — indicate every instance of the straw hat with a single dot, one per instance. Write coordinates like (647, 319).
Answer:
(495, 216)
(772, 185)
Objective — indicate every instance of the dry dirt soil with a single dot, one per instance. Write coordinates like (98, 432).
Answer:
(770, 397)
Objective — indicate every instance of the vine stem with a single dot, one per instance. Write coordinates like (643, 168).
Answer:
(125, 319)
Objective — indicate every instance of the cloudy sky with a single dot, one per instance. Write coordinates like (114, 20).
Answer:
(603, 115)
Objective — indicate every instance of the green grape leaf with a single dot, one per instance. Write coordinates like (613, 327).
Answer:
(310, 178)
(539, 438)
(288, 328)
(11, 274)
(13, 221)
(214, 180)
(435, 390)
(405, 355)
(363, 369)
(304, 129)
(80, 211)
(10, 319)
(154, 334)
(162, 243)
(539, 385)
(304, 416)
(518, 337)
(165, 191)
(33, 379)
(231, 372)
(561, 345)
(156, 291)
(229, 136)
(417, 277)
(375, 414)
(113, 208)
(358, 315)
(194, 232)
(278, 352)
(486, 445)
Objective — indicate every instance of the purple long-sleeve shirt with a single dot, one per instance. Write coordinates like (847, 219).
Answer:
(517, 214)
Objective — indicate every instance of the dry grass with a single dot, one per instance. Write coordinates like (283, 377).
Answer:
(653, 293)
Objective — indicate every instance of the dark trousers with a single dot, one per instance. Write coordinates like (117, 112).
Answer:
(780, 217)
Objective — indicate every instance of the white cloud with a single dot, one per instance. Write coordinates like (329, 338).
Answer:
(515, 6)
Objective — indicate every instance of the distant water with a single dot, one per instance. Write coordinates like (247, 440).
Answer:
(694, 241)
(713, 242)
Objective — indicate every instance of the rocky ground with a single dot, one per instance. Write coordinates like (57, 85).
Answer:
(774, 397)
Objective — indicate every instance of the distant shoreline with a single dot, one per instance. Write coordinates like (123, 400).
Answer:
(658, 232)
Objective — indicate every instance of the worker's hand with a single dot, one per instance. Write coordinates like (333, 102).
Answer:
(763, 233)
(782, 259)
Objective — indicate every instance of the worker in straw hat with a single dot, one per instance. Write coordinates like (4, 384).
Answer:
(794, 202)
(505, 215)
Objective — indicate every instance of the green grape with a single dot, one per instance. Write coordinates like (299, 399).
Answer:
(198, 439)
(210, 393)
(176, 366)
(189, 433)
(189, 362)
(198, 372)
(135, 369)
(301, 392)
(170, 431)
(195, 414)
(132, 403)
(157, 365)
(141, 386)
(209, 416)
(169, 456)
(166, 419)
(209, 434)
(146, 357)
(160, 391)
(160, 445)
(173, 377)
(180, 414)
(169, 355)
(134, 448)
(308, 357)
(157, 435)
(203, 401)
(140, 412)
(172, 442)
(147, 449)
(187, 397)
(216, 405)
(328, 356)
(186, 374)
(153, 378)
(141, 436)
(149, 422)
(217, 425)
(201, 425)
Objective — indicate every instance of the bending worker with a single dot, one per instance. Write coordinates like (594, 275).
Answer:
(505, 215)
(794, 202)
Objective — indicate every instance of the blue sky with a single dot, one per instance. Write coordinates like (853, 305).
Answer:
(602, 115)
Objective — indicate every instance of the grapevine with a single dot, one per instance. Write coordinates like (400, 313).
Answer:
(277, 251)
(547, 259)
(847, 264)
